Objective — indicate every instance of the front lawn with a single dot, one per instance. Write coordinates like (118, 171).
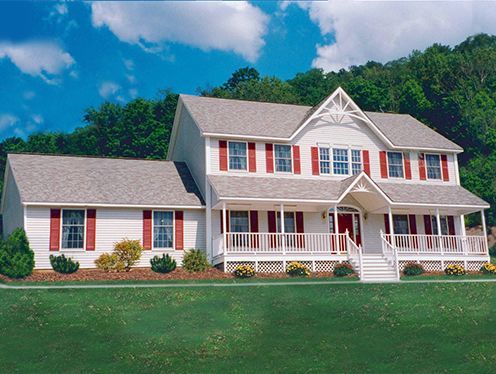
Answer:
(312, 328)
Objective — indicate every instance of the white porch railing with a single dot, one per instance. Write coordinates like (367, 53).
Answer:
(277, 243)
(354, 255)
(390, 253)
(437, 244)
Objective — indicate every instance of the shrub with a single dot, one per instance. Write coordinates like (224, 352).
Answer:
(195, 260)
(16, 257)
(295, 269)
(64, 265)
(488, 268)
(164, 264)
(342, 270)
(128, 252)
(454, 269)
(412, 268)
(244, 271)
(492, 251)
(109, 262)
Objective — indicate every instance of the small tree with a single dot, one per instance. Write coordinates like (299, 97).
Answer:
(16, 257)
(128, 252)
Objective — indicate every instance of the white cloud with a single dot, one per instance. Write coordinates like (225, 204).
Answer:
(381, 31)
(128, 63)
(226, 26)
(7, 121)
(37, 118)
(61, 8)
(37, 58)
(133, 92)
(108, 89)
(28, 95)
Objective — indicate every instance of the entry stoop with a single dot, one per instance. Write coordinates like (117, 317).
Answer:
(376, 268)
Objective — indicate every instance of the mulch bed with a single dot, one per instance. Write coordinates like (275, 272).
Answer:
(139, 274)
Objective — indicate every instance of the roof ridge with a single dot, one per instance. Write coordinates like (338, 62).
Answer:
(245, 101)
(90, 156)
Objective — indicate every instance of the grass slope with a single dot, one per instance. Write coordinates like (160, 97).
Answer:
(316, 328)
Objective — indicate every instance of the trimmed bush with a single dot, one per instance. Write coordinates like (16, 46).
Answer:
(64, 265)
(295, 269)
(342, 270)
(16, 257)
(454, 270)
(164, 264)
(128, 252)
(195, 260)
(244, 271)
(110, 263)
(488, 268)
(412, 269)
(492, 251)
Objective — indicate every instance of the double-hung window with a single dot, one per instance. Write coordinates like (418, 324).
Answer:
(444, 225)
(340, 161)
(73, 228)
(163, 229)
(433, 163)
(395, 164)
(237, 156)
(356, 161)
(324, 160)
(239, 221)
(282, 156)
(400, 224)
(289, 222)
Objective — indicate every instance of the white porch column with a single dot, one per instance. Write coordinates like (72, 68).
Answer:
(438, 222)
(462, 225)
(224, 225)
(391, 226)
(483, 219)
(281, 225)
(336, 226)
(282, 219)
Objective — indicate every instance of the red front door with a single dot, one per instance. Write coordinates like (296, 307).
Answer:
(346, 222)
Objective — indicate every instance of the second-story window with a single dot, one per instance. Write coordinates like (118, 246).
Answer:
(340, 161)
(237, 156)
(433, 163)
(282, 157)
(395, 164)
(356, 161)
(324, 161)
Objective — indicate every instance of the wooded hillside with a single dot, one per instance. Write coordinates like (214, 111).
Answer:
(453, 90)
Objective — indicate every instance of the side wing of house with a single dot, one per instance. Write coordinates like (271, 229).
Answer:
(12, 208)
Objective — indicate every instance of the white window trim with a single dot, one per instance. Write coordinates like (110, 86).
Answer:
(173, 230)
(274, 159)
(249, 220)
(407, 223)
(278, 222)
(229, 157)
(61, 231)
(427, 167)
(402, 164)
(350, 163)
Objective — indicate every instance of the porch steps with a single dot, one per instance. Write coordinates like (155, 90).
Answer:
(376, 268)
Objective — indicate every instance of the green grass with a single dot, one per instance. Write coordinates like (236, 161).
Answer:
(314, 329)
(448, 277)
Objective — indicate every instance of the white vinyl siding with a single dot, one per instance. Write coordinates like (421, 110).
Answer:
(112, 225)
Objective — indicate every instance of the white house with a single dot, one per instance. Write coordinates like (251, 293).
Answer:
(375, 189)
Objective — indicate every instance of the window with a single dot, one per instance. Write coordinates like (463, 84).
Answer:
(237, 156)
(433, 163)
(400, 224)
(163, 229)
(356, 161)
(324, 161)
(340, 161)
(239, 221)
(395, 164)
(73, 229)
(289, 222)
(444, 225)
(282, 155)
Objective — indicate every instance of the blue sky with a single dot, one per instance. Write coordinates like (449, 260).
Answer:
(59, 58)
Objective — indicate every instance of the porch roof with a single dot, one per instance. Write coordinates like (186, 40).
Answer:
(333, 191)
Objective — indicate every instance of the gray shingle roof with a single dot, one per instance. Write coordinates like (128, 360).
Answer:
(89, 180)
(250, 118)
(330, 190)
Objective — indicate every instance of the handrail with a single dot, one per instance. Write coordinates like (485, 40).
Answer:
(390, 252)
(354, 253)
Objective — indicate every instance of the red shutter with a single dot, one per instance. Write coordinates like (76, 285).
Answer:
(253, 221)
(269, 158)
(386, 224)
(366, 162)
(296, 159)
(412, 223)
(252, 158)
(444, 167)
(383, 162)
(315, 161)
(179, 231)
(408, 168)
(451, 225)
(147, 229)
(421, 163)
(271, 218)
(54, 229)
(223, 155)
(90, 229)
(427, 224)
(222, 222)
(300, 226)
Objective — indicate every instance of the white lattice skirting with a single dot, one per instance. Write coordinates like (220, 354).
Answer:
(438, 265)
(279, 266)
